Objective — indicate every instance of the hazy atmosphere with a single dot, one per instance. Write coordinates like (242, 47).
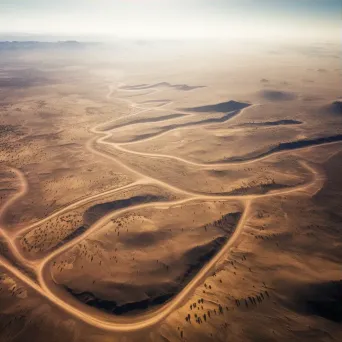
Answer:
(170, 171)
(174, 19)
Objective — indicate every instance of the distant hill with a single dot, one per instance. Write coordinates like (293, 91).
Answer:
(30, 45)
(276, 95)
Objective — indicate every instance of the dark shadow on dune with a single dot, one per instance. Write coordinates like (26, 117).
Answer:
(146, 120)
(271, 123)
(224, 118)
(305, 80)
(275, 95)
(322, 299)
(322, 70)
(144, 136)
(287, 146)
(222, 107)
(94, 213)
(145, 238)
(329, 197)
(252, 189)
(334, 108)
(203, 254)
(183, 87)
(255, 190)
(310, 98)
(159, 294)
(97, 211)
(112, 307)
(156, 101)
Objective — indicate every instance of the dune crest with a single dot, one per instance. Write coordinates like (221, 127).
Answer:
(222, 107)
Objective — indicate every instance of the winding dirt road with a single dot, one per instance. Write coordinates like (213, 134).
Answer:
(47, 287)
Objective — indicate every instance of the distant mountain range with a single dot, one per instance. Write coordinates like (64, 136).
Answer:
(29, 45)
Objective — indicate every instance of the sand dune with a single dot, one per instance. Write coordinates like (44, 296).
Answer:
(97, 211)
(293, 145)
(94, 213)
(145, 120)
(183, 87)
(334, 108)
(321, 299)
(271, 123)
(124, 298)
(222, 107)
(164, 129)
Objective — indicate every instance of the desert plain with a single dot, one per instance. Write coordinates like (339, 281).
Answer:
(167, 192)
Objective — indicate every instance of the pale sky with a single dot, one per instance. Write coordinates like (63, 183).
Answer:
(277, 19)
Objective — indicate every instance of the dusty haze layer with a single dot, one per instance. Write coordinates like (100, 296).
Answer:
(170, 191)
